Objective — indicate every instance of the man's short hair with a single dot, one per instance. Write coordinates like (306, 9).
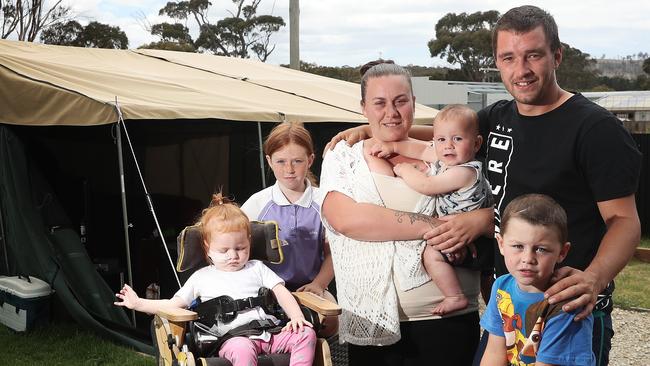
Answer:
(523, 19)
(537, 209)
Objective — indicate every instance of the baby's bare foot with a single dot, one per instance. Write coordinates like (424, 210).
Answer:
(450, 304)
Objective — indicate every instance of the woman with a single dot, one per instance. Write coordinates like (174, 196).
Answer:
(372, 220)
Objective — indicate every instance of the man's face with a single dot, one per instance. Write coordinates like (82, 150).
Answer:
(527, 67)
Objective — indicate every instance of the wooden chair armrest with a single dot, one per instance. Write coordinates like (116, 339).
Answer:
(317, 303)
(177, 315)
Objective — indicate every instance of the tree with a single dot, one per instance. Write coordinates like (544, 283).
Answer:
(27, 18)
(239, 35)
(95, 35)
(577, 70)
(466, 40)
(99, 35)
(64, 34)
(346, 73)
(646, 66)
(173, 37)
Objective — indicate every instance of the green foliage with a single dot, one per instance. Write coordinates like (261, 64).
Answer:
(26, 18)
(617, 83)
(347, 73)
(351, 74)
(240, 35)
(170, 46)
(65, 344)
(577, 71)
(172, 32)
(65, 34)
(646, 66)
(99, 35)
(465, 40)
(94, 35)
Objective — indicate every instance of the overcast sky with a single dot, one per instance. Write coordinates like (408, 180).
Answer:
(351, 32)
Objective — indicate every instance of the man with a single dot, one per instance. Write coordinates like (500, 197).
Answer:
(548, 140)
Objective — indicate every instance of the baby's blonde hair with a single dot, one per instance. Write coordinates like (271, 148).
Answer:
(459, 112)
(222, 216)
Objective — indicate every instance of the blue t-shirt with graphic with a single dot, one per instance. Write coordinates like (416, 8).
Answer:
(534, 330)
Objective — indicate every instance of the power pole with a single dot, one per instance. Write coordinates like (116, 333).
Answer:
(294, 34)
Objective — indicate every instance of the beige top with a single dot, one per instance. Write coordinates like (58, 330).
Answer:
(417, 303)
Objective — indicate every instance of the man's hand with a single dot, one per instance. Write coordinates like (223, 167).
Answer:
(571, 283)
(450, 236)
(460, 230)
(351, 137)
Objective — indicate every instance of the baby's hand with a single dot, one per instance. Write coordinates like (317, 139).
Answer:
(129, 297)
(382, 149)
(400, 168)
(296, 325)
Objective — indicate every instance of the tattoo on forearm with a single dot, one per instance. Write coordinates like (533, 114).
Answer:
(415, 217)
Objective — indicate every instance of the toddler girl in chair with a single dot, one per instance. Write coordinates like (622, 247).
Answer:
(226, 240)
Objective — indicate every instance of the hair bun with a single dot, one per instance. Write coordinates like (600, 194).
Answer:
(371, 64)
(219, 199)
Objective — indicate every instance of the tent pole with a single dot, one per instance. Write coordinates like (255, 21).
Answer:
(146, 194)
(125, 216)
(259, 136)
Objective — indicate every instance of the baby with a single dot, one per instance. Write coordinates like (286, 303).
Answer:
(226, 232)
(454, 177)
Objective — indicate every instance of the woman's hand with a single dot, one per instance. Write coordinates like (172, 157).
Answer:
(312, 287)
(351, 137)
(296, 325)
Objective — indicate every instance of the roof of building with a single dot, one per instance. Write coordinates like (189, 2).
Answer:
(622, 101)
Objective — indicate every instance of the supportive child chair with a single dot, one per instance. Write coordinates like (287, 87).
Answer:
(178, 335)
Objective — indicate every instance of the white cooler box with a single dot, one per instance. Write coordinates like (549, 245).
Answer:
(24, 302)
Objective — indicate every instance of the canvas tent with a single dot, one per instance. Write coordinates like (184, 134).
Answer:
(195, 122)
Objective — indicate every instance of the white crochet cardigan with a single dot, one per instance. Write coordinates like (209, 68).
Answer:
(364, 270)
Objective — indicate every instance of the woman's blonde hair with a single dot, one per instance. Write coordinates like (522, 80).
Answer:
(286, 133)
(222, 216)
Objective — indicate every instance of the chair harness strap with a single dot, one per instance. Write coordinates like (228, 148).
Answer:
(225, 308)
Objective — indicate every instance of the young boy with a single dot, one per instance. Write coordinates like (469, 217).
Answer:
(457, 181)
(524, 329)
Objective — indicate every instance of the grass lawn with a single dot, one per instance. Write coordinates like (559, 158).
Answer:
(65, 344)
(632, 285)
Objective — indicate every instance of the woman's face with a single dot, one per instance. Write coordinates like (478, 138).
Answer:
(290, 165)
(389, 107)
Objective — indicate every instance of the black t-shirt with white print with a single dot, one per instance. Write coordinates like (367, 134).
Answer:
(578, 153)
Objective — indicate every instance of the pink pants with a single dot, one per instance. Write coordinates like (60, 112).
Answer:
(242, 351)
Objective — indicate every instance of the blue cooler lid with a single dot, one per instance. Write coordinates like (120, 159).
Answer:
(22, 287)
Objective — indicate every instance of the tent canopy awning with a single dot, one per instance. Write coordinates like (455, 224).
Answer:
(56, 85)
